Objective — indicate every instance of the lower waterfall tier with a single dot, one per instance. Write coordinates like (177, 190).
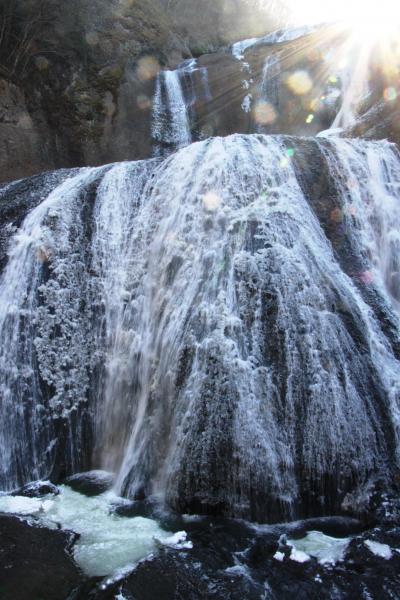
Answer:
(219, 329)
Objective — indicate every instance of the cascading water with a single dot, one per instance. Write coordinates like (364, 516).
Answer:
(374, 179)
(270, 81)
(44, 328)
(174, 105)
(232, 360)
(114, 243)
(276, 37)
(170, 117)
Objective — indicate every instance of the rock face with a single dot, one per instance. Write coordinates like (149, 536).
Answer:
(77, 79)
(35, 562)
(24, 143)
(379, 121)
(86, 90)
(83, 89)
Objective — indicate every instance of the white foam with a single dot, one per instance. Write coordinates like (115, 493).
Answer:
(21, 505)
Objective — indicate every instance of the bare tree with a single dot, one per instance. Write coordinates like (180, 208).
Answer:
(20, 25)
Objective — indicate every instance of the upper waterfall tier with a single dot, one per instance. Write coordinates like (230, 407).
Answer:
(219, 327)
(125, 105)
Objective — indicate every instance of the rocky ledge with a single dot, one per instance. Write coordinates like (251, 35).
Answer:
(229, 559)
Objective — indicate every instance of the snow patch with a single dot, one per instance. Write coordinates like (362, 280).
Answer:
(327, 550)
(298, 555)
(381, 550)
(178, 540)
(246, 104)
(330, 132)
(276, 37)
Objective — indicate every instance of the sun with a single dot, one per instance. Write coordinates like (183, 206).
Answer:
(364, 38)
(369, 17)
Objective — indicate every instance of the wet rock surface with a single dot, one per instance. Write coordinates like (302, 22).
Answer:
(380, 121)
(18, 198)
(91, 483)
(35, 563)
(230, 559)
(37, 489)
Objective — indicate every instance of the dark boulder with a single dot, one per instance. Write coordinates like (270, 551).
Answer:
(37, 489)
(91, 483)
(35, 563)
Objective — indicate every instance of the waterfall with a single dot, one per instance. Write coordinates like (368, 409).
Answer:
(239, 48)
(242, 251)
(174, 105)
(373, 175)
(229, 317)
(171, 127)
(205, 84)
(270, 80)
(114, 246)
(276, 37)
(44, 333)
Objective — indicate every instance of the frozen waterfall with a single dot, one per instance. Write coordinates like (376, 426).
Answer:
(226, 319)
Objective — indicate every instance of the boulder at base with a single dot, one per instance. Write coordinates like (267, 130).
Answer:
(35, 563)
(37, 489)
(91, 483)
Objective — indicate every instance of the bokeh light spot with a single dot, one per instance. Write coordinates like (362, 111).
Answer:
(147, 68)
(92, 38)
(42, 63)
(351, 210)
(352, 183)
(300, 83)
(143, 102)
(337, 215)
(211, 201)
(390, 94)
(264, 113)
(366, 277)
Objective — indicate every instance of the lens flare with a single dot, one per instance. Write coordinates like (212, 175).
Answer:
(300, 83)
(365, 49)
(368, 16)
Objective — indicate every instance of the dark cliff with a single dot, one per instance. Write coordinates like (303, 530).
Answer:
(76, 78)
